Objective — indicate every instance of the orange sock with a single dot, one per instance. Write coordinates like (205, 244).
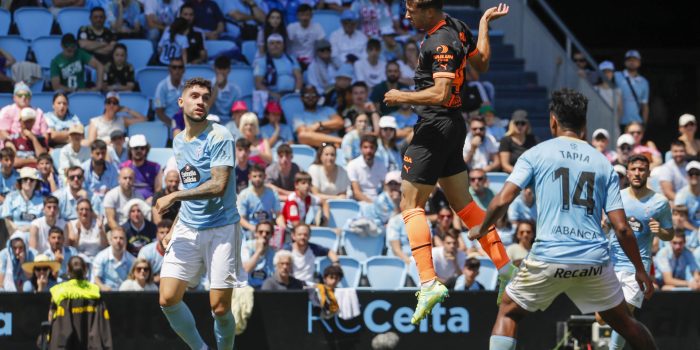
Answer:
(421, 246)
(472, 215)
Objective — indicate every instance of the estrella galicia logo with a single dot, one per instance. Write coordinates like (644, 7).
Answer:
(635, 224)
(189, 175)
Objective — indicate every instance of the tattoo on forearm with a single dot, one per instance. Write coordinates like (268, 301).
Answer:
(210, 188)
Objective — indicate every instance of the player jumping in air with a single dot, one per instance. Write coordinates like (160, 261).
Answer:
(574, 184)
(206, 235)
(435, 152)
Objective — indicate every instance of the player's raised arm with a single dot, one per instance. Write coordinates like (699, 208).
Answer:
(214, 187)
(480, 61)
(628, 242)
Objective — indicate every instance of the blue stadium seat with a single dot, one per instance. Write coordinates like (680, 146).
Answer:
(342, 210)
(149, 78)
(496, 181)
(70, 19)
(37, 87)
(5, 20)
(160, 155)
(45, 49)
(242, 76)
(304, 155)
(324, 237)
(412, 272)
(33, 22)
(248, 99)
(488, 274)
(138, 51)
(328, 19)
(44, 101)
(6, 99)
(385, 272)
(214, 47)
(352, 270)
(362, 247)
(86, 105)
(249, 49)
(56, 157)
(291, 106)
(15, 46)
(199, 70)
(156, 132)
(135, 101)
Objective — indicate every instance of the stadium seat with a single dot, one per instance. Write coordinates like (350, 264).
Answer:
(156, 132)
(412, 272)
(15, 46)
(56, 157)
(342, 210)
(304, 155)
(488, 274)
(352, 271)
(45, 49)
(199, 70)
(249, 49)
(6, 99)
(33, 22)
(160, 155)
(328, 19)
(291, 105)
(149, 78)
(86, 105)
(385, 272)
(325, 237)
(135, 101)
(242, 76)
(248, 99)
(362, 247)
(44, 101)
(5, 20)
(138, 51)
(37, 86)
(496, 181)
(215, 47)
(70, 19)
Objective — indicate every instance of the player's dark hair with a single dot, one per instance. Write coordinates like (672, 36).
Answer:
(98, 145)
(243, 143)
(304, 8)
(165, 223)
(256, 168)
(302, 176)
(677, 143)
(197, 82)
(361, 84)
(222, 62)
(368, 138)
(50, 199)
(374, 44)
(284, 149)
(638, 158)
(426, 4)
(333, 270)
(569, 107)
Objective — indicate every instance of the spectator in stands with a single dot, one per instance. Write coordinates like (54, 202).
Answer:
(689, 196)
(300, 206)
(624, 149)
(388, 149)
(58, 250)
(243, 18)
(316, 124)
(238, 109)
(85, 233)
(140, 230)
(679, 217)
(258, 203)
(600, 141)
(360, 104)
(323, 68)
(148, 177)
(647, 148)
(196, 52)
(448, 258)
(524, 236)
(280, 175)
(168, 91)
(348, 44)
(39, 228)
(274, 24)
(68, 67)
(100, 175)
(478, 189)
(49, 181)
(174, 43)
(304, 253)
(224, 92)
(283, 278)
(391, 49)
(259, 147)
(111, 266)
(69, 195)
(119, 74)
(481, 148)
(276, 72)
(12, 277)
(9, 174)
(672, 175)
(243, 165)
(339, 95)
(117, 197)
(409, 63)
(159, 15)
(172, 182)
(516, 141)
(96, 39)
(523, 207)
(102, 126)
(687, 126)
(43, 273)
(470, 271)
(486, 90)
(153, 252)
(10, 122)
(375, 14)
(208, 18)
(328, 180)
(397, 239)
(74, 153)
(59, 121)
(621, 172)
(677, 265)
(366, 174)
(584, 70)
(6, 61)
(384, 207)
(392, 74)
(274, 126)
(406, 118)
(609, 90)
(140, 278)
(494, 125)
(25, 203)
(303, 34)
(258, 256)
(445, 222)
(56, 5)
(372, 69)
(25, 143)
(635, 91)
(127, 23)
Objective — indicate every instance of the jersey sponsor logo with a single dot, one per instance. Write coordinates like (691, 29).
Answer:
(443, 57)
(591, 271)
(573, 232)
(407, 168)
(407, 159)
(189, 175)
(635, 224)
(441, 49)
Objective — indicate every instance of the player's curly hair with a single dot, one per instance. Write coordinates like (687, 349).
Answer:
(197, 82)
(569, 107)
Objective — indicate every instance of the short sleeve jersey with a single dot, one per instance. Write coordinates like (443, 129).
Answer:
(71, 70)
(214, 147)
(573, 184)
(443, 54)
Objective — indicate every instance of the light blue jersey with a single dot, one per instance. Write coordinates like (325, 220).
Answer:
(686, 197)
(573, 184)
(638, 212)
(256, 208)
(212, 148)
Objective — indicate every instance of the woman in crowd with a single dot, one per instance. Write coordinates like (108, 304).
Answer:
(351, 141)
(25, 203)
(328, 180)
(174, 42)
(517, 140)
(43, 272)
(85, 233)
(119, 74)
(49, 179)
(445, 221)
(274, 23)
(274, 126)
(101, 127)
(687, 126)
(59, 120)
(140, 278)
(387, 149)
(524, 236)
(609, 91)
(647, 148)
(260, 152)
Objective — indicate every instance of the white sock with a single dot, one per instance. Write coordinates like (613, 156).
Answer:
(428, 284)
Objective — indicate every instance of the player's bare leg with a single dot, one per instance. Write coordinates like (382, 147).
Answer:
(616, 340)
(620, 319)
(178, 314)
(505, 330)
(224, 323)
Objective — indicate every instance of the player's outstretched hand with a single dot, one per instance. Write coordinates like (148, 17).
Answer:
(645, 283)
(474, 233)
(163, 203)
(391, 98)
(495, 12)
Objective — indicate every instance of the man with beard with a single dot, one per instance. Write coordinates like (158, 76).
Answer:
(100, 176)
(393, 73)
(148, 177)
(338, 96)
(316, 124)
(258, 203)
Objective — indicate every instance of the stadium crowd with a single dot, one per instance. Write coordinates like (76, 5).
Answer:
(70, 188)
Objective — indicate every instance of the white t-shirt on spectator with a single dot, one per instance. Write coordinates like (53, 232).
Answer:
(301, 40)
(324, 185)
(673, 173)
(133, 286)
(369, 179)
(343, 45)
(482, 155)
(303, 265)
(372, 75)
(68, 158)
(42, 239)
(447, 268)
(115, 199)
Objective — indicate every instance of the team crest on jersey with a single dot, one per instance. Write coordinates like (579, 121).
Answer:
(189, 175)
(635, 224)
(574, 146)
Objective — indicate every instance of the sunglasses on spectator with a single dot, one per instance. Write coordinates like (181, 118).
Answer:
(176, 67)
(688, 124)
(445, 216)
(579, 60)
(112, 102)
(144, 269)
(520, 123)
(694, 173)
(310, 94)
(74, 177)
(625, 147)
(42, 268)
(264, 231)
(25, 95)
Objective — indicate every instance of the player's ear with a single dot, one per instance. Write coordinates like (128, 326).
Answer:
(180, 102)
(553, 124)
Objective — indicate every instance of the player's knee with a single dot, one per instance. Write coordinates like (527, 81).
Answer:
(168, 299)
(220, 308)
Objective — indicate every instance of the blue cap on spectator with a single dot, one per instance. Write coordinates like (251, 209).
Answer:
(348, 15)
(633, 54)
(21, 86)
(606, 65)
(345, 70)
